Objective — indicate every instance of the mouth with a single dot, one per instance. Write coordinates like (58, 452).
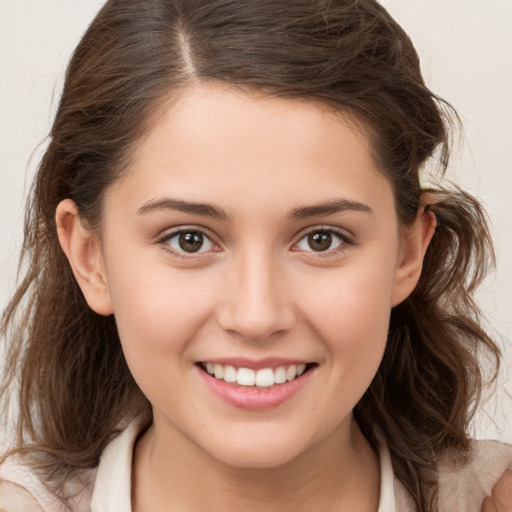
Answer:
(263, 378)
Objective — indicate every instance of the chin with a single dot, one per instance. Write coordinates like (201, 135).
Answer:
(257, 455)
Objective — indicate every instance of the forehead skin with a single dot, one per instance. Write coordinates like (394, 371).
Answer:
(229, 136)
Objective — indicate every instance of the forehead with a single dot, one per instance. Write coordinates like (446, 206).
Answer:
(214, 143)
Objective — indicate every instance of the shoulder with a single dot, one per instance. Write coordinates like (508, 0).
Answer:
(463, 486)
(14, 498)
(106, 487)
(22, 491)
(18, 487)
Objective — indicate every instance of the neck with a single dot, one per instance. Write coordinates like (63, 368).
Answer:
(340, 473)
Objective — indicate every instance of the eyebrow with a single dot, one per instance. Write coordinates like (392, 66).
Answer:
(208, 210)
(203, 209)
(328, 208)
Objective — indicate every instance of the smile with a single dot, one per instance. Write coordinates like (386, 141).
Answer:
(262, 378)
(252, 385)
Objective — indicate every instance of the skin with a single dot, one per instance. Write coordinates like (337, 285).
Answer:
(257, 290)
(500, 499)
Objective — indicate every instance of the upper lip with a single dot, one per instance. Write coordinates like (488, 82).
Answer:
(253, 364)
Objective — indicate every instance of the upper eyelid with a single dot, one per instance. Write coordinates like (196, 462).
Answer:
(343, 233)
(170, 232)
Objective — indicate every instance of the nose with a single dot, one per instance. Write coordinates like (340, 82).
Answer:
(257, 304)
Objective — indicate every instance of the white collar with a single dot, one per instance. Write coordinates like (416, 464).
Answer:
(112, 490)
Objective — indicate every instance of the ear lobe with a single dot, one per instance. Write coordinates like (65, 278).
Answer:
(415, 242)
(83, 251)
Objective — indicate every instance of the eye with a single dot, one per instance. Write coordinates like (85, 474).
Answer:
(188, 241)
(321, 240)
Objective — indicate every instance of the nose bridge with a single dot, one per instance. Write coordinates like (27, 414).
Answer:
(258, 304)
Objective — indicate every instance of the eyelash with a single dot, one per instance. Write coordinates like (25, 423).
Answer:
(345, 241)
(167, 237)
(344, 238)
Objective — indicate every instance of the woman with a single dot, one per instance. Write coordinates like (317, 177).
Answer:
(233, 263)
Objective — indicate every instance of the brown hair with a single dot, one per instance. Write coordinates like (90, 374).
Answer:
(74, 385)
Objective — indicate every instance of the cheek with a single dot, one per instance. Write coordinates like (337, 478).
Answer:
(351, 316)
(158, 314)
(157, 309)
(350, 319)
(353, 300)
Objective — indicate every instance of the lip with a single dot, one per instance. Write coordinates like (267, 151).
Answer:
(253, 398)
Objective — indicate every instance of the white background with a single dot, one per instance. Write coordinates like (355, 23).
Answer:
(466, 51)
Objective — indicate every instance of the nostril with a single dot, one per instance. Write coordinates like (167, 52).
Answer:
(256, 312)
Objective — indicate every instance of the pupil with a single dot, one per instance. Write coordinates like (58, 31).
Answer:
(191, 242)
(320, 241)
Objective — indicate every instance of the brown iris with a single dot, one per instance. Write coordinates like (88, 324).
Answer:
(320, 240)
(191, 241)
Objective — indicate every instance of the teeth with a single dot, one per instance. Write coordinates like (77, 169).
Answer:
(230, 374)
(246, 377)
(218, 370)
(263, 378)
(280, 375)
(291, 373)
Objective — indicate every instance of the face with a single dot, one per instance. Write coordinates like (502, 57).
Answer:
(250, 240)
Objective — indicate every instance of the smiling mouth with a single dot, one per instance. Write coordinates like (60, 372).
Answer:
(262, 378)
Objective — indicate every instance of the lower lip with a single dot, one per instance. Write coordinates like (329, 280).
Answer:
(246, 397)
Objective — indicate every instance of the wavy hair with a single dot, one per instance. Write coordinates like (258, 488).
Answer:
(74, 387)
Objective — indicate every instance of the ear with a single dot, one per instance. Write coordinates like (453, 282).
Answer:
(83, 251)
(414, 244)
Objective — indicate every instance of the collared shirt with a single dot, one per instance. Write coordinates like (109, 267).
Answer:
(113, 483)
(108, 488)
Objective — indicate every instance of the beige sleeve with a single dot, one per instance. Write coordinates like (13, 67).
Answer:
(14, 498)
(463, 488)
